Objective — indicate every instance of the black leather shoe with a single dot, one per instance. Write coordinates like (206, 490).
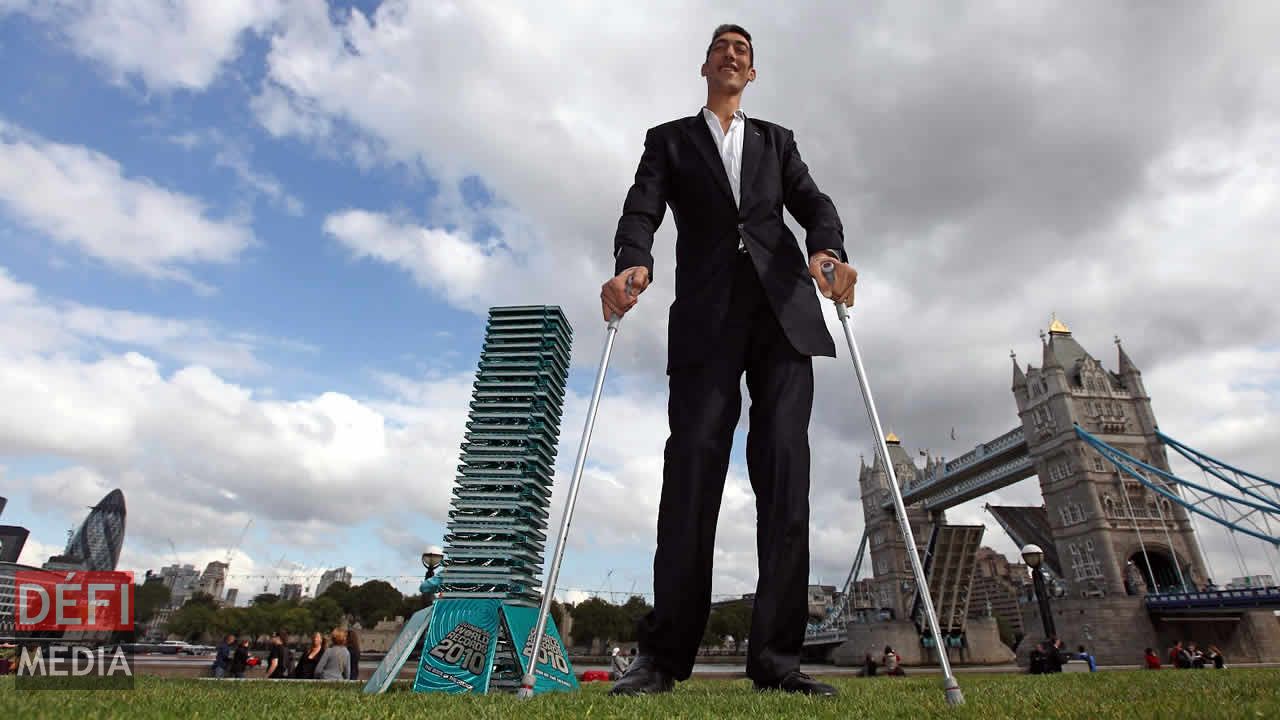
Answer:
(644, 677)
(797, 682)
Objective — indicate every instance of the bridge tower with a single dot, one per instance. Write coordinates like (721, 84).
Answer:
(894, 585)
(1101, 522)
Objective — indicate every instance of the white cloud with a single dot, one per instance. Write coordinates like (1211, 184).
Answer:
(30, 323)
(35, 552)
(81, 198)
(168, 44)
(467, 273)
(191, 449)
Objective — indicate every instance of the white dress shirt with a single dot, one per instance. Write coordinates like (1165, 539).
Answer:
(730, 146)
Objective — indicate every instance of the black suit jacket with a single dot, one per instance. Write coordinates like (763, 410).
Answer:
(681, 168)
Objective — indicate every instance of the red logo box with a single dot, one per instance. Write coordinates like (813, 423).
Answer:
(75, 600)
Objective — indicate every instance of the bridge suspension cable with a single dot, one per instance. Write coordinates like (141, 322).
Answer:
(836, 620)
(1251, 484)
(1255, 486)
(1248, 516)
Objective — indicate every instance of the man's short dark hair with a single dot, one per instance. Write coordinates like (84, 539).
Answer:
(731, 28)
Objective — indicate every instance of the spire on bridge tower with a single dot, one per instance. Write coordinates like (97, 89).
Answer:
(1050, 360)
(1019, 379)
(1126, 365)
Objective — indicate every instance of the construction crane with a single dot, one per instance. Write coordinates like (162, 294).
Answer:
(174, 548)
(239, 542)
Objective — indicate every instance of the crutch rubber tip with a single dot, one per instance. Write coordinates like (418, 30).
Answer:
(952, 690)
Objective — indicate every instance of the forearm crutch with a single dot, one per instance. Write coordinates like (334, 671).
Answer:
(949, 684)
(549, 584)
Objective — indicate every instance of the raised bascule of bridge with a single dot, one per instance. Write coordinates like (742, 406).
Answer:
(1117, 527)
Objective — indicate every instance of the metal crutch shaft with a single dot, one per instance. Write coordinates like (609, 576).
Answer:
(949, 684)
(579, 463)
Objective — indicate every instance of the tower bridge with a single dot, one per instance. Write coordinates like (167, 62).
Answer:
(1115, 524)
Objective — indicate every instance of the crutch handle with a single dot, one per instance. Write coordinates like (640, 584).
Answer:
(829, 272)
(615, 318)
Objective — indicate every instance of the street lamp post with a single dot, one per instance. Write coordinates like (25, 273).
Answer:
(1033, 556)
(431, 560)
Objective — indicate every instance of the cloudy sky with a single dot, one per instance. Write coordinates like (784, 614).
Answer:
(247, 247)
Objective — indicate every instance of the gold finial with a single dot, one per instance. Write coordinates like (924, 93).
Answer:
(1056, 325)
(891, 438)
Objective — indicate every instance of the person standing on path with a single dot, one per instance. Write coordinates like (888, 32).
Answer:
(744, 304)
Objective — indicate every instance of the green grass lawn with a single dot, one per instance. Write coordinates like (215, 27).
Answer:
(1165, 694)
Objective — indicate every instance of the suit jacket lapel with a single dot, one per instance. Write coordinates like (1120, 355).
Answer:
(752, 146)
(697, 130)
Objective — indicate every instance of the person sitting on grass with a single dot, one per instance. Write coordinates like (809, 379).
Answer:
(1197, 657)
(1039, 662)
(892, 663)
(1082, 654)
(1151, 659)
(1215, 657)
(335, 663)
(617, 664)
(1182, 658)
(869, 665)
(1055, 656)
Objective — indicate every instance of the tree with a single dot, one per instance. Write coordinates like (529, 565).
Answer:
(191, 621)
(632, 611)
(558, 610)
(594, 618)
(297, 621)
(233, 620)
(201, 598)
(375, 600)
(340, 593)
(732, 619)
(265, 599)
(326, 614)
(147, 598)
(412, 604)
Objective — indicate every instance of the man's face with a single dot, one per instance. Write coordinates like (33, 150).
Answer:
(728, 67)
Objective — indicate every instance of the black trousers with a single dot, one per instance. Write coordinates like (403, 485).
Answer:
(703, 411)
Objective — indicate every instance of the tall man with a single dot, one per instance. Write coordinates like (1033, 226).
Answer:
(744, 303)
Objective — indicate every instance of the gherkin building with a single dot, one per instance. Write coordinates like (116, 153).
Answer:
(498, 520)
(96, 544)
